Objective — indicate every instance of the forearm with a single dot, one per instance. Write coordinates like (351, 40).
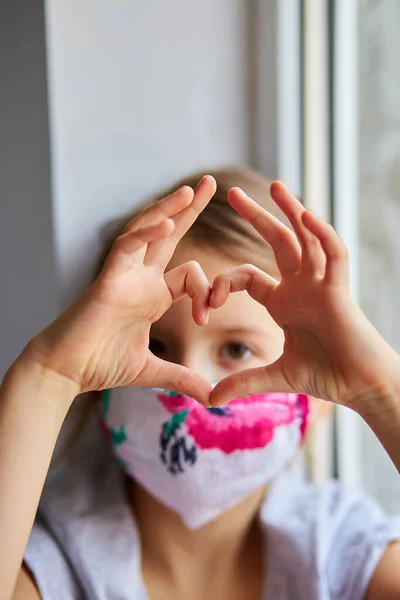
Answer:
(33, 405)
(382, 414)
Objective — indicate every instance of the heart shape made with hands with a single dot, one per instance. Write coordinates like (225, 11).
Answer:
(101, 341)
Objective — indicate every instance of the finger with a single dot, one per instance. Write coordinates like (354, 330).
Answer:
(125, 248)
(282, 240)
(189, 279)
(162, 374)
(166, 208)
(337, 259)
(258, 284)
(313, 258)
(259, 380)
(161, 252)
(203, 193)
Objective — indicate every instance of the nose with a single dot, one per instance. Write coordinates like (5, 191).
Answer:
(198, 362)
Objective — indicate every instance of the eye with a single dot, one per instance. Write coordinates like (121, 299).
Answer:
(157, 347)
(235, 351)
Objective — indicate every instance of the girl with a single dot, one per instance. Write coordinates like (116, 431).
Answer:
(194, 507)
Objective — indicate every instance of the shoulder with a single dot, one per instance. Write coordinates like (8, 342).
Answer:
(385, 581)
(330, 506)
(47, 569)
(83, 513)
(25, 588)
(336, 533)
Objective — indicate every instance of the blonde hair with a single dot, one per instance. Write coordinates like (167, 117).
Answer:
(219, 226)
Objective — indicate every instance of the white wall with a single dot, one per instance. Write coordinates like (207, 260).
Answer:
(136, 94)
(140, 93)
(27, 275)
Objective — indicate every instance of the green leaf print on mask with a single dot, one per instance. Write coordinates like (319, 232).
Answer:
(175, 421)
(118, 437)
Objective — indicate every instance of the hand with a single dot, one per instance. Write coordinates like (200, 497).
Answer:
(331, 350)
(101, 341)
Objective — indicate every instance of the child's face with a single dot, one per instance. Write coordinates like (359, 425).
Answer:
(239, 335)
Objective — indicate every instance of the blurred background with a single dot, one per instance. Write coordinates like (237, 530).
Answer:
(102, 103)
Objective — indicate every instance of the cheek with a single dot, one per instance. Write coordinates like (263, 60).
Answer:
(276, 350)
(275, 345)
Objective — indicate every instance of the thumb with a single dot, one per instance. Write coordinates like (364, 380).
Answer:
(163, 374)
(259, 380)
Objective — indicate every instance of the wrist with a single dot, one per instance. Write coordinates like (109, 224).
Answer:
(30, 373)
(380, 408)
(381, 412)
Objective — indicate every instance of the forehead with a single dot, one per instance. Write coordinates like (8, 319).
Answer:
(240, 310)
(212, 262)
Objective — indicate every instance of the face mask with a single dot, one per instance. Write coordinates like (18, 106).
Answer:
(198, 461)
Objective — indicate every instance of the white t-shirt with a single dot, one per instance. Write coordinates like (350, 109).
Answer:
(323, 542)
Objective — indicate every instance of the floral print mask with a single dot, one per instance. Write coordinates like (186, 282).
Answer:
(202, 461)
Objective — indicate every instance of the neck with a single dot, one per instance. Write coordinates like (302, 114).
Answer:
(221, 545)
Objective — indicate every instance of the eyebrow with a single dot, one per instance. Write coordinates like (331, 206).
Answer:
(242, 330)
(225, 330)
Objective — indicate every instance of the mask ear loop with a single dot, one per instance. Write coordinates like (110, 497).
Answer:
(303, 403)
(103, 410)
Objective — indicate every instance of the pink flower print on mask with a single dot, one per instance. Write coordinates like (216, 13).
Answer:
(176, 403)
(242, 424)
